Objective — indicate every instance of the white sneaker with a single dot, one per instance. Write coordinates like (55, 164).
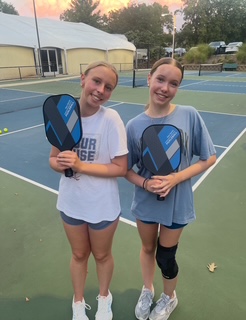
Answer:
(104, 311)
(79, 310)
(164, 307)
(142, 309)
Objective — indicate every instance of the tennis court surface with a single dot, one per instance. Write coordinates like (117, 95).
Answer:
(34, 251)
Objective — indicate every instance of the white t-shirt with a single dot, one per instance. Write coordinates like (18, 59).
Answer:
(89, 198)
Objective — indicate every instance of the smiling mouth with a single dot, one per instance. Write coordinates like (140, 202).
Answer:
(161, 96)
(96, 97)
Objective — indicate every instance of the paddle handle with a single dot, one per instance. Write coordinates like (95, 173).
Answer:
(68, 173)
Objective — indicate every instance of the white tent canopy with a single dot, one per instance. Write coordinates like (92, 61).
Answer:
(21, 31)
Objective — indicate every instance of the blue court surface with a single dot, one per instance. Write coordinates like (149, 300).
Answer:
(25, 150)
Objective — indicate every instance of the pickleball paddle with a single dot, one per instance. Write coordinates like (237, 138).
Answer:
(62, 122)
(161, 149)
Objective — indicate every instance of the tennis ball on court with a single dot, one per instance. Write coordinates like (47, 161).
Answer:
(6, 130)
(1, 132)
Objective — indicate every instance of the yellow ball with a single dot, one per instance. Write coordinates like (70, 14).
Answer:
(1, 132)
(6, 130)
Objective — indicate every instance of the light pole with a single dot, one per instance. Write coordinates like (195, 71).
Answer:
(39, 48)
(174, 29)
(174, 33)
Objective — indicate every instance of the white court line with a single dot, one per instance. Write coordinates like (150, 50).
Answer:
(218, 160)
(193, 83)
(25, 129)
(23, 98)
(219, 92)
(36, 82)
(217, 146)
(39, 185)
(40, 125)
(29, 180)
(223, 113)
(116, 104)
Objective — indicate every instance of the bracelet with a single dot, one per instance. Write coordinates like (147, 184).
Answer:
(144, 182)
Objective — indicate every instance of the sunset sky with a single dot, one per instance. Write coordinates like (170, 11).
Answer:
(53, 8)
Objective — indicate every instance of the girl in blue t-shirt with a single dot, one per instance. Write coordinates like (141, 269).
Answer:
(160, 223)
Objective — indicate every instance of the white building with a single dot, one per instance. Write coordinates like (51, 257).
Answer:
(65, 47)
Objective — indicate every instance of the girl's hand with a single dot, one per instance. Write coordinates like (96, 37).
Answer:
(162, 185)
(68, 159)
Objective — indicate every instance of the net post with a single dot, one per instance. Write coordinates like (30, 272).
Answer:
(133, 78)
(199, 71)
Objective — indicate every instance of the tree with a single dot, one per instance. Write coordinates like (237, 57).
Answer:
(82, 11)
(213, 20)
(7, 8)
(141, 24)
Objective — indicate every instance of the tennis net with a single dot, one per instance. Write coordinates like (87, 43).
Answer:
(24, 95)
(210, 68)
(140, 77)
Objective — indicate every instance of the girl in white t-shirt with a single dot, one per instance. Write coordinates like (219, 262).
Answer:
(89, 201)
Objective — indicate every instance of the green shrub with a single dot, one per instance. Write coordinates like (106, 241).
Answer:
(199, 54)
(241, 54)
(230, 60)
(206, 50)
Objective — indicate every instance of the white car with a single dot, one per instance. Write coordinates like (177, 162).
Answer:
(180, 51)
(233, 47)
(168, 52)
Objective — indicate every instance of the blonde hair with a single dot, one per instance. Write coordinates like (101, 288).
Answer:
(169, 61)
(102, 64)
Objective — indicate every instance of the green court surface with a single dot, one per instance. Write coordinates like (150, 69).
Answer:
(35, 254)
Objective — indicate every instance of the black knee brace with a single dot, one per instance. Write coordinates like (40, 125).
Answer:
(166, 261)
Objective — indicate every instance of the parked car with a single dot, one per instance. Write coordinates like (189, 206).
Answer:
(233, 47)
(180, 51)
(168, 52)
(218, 46)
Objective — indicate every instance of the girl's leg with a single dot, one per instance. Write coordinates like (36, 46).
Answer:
(169, 238)
(78, 238)
(148, 234)
(101, 247)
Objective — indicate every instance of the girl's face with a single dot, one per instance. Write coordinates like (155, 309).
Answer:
(98, 85)
(163, 84)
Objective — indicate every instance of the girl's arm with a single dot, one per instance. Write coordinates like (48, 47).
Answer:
(171, 180)
(54, 164)
(162, 185)
(60, 161)
(140, 181)
(195, 169)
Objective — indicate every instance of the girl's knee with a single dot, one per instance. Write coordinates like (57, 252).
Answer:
(101, 257)
(80, 256)
(149, 249)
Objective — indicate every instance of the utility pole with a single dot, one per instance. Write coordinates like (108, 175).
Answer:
(39, 47)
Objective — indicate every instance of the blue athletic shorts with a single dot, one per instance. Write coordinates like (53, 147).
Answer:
(173, 226)
(76, 222)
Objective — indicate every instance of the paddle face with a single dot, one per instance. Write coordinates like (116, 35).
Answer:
(161, 149)
(62, 123)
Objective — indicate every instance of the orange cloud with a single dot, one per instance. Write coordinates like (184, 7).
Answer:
(53, 8)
